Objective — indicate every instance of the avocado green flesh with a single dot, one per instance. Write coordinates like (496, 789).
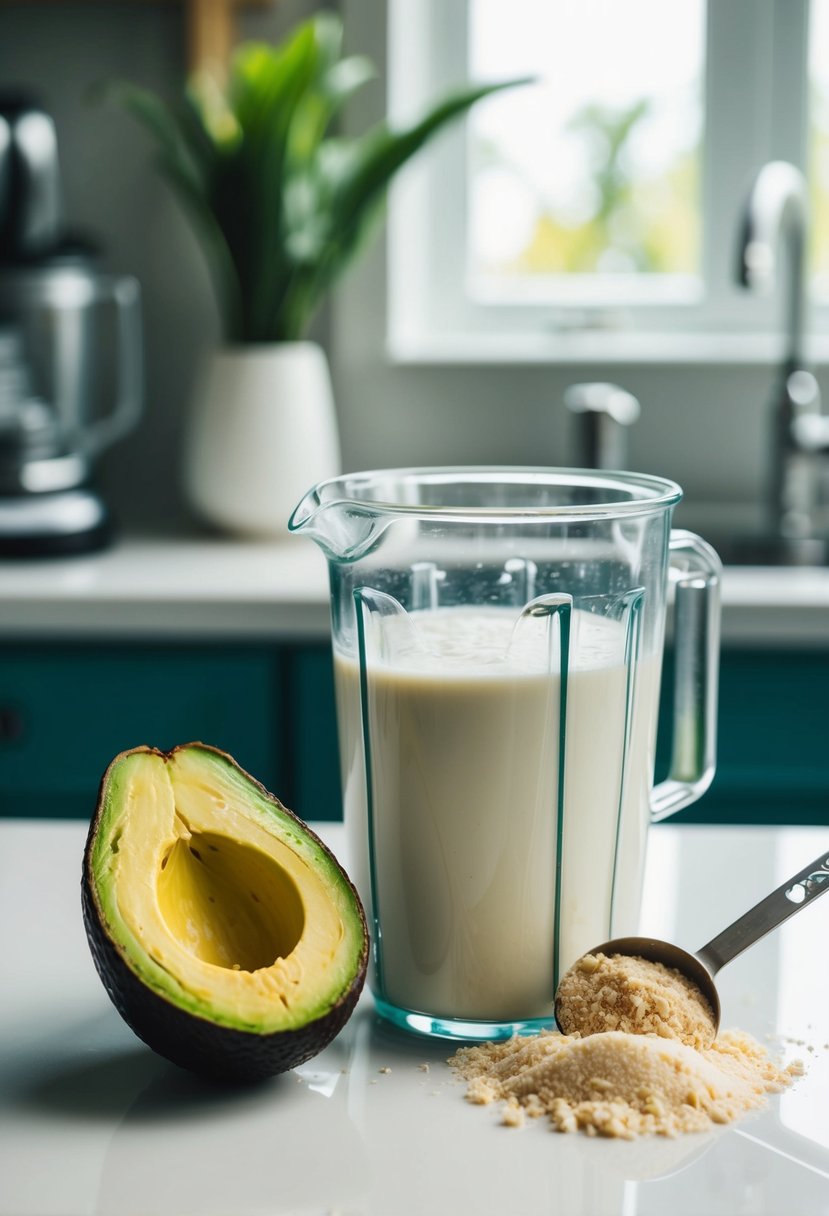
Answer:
(216, 898)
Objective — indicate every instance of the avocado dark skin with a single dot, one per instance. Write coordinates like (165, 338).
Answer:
(195, 1042)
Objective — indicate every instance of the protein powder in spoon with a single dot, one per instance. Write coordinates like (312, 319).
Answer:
(643, 985)
(635, 995)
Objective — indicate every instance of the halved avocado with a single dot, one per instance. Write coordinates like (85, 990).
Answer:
(226, 933)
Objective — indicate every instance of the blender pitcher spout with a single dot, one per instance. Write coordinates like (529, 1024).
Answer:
(304, 514)
(345, 529)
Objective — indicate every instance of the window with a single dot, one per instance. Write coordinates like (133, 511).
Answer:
(596, 213)
(591, 177)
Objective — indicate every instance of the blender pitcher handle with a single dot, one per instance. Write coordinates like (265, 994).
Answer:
(695, 571)
(125, 294)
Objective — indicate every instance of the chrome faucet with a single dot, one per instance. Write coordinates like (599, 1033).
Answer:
(601, 414)
(775, 226)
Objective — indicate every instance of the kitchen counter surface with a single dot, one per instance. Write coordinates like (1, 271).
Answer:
(206, 587)
(91, 1122)
(170, 586)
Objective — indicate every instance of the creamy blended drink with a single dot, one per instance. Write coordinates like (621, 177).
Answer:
(489, 878)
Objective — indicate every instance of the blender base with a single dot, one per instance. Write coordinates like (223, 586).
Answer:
(51, 525)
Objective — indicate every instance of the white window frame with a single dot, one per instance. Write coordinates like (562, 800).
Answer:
(756, 107)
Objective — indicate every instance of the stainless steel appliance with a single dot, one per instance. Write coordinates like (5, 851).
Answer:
(70, 352)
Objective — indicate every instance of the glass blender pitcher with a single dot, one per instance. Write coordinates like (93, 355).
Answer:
(497, 638)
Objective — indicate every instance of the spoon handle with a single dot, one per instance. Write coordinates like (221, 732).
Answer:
(789, 898)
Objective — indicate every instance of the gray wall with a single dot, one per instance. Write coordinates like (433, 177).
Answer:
(703, 427)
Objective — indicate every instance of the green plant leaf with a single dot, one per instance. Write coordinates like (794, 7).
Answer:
(270, 85)
(354, 177)
(217, 252)
(319, 109)
(164, 124)
(381, 152)
(266, 82)
(184, 156)
(328, 34)
(213, 125)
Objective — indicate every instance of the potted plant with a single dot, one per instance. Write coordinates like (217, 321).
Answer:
(281, 205)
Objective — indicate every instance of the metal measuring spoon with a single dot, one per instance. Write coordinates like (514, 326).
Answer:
(702, 966)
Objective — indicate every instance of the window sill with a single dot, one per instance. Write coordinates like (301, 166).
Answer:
(596, 347)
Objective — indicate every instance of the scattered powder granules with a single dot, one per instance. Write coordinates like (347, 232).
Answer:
(624, 992)
(618, 1084)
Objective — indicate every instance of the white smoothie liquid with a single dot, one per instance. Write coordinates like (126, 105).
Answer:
(465, 740)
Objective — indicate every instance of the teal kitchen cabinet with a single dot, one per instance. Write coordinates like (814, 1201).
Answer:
(310, 732)
(66, 710)
(773, 741)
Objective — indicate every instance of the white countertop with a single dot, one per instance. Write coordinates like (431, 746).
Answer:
(206, 587)
(91, 1122)
(156, 586)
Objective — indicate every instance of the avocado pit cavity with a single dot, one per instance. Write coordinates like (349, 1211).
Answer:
(228, 904)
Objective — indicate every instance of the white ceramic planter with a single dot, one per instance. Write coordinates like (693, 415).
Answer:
(262, 431)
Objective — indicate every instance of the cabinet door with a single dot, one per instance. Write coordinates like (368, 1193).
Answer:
(66, 711)
(773, 739)
(310, 719)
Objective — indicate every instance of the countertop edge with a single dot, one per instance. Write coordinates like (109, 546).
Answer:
(244, 591)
